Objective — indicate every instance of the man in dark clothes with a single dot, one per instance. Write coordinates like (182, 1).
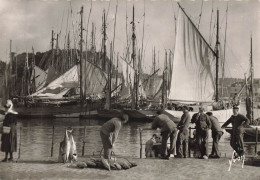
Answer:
(203, 124)
(9, 140)
(238, 121)
(216, 135)
(168, 129)
(183, 136)
(109, 133)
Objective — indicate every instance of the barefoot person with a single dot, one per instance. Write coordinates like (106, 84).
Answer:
(168, 129)
(109, 133)
(183, 135)
(216, 135)
(9, 140)
(203, 125)
(238, 121)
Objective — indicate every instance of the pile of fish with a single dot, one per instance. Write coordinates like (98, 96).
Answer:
(112, 164)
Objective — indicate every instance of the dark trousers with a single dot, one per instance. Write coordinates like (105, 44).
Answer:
(237, 142)
(216, 137)
(182, 143)
(106, 145)
(202, 140)
(165, 137)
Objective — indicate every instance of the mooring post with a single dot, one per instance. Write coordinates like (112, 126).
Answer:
(189, 141)
(83, 147)
(141, 143)
(256, 140)
(52, 143)
(20, 143)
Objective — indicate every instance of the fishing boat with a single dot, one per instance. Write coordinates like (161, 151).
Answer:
(192, 80)
(252, 131)
(66, 87)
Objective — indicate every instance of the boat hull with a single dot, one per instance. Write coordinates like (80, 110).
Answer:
(68, 111)
(135, 115)
(222, 115)
(250, 134)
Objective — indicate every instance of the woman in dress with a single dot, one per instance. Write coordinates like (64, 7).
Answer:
(9, 140)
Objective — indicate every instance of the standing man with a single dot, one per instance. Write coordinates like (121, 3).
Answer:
(168, 129)
(216, 135)
(109, 133)
(203, 125)
(183, 136)
(238, 121)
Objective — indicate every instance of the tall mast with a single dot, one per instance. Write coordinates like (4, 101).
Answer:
(252, 80)
(153, 71)
(224, 59)
(56, 54)
(154, 62)
(108, 99)
(27, 74)
(164, 88)
(33, 71)
(134, 60)
(93, 38)
(10, 70)
(104, 40)
(117, 68)
(81, 54)
(217, 56)
(68, 50)
(52, 47)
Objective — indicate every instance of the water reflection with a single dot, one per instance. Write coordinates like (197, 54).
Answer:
(36, 137)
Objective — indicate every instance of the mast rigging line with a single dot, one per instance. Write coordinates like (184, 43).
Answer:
(224, 55)
(142, 49)
(108, 9)
(113, 46)
(211, 23)
(86, 44)
(197, 30)
(200, 13)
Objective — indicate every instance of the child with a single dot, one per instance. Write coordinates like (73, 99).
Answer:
(149, 150)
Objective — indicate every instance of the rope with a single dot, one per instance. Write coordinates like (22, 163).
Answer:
(142, 49)
(200, 13)
(224, 58)
(211, 21)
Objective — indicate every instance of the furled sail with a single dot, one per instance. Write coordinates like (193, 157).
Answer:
(192, 74)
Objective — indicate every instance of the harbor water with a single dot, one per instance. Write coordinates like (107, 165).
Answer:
(37, 134)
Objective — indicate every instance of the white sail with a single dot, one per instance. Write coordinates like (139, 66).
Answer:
(40, 78)
(192, 75)
(94, 79)
(128, 82)
(60, 86)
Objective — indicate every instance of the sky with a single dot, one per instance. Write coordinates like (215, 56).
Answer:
(29, 23)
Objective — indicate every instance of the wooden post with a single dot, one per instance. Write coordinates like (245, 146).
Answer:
(52, 143)
(20, 143)
(83, 147)
(141, 144)
(256, 140)
(189, 141)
